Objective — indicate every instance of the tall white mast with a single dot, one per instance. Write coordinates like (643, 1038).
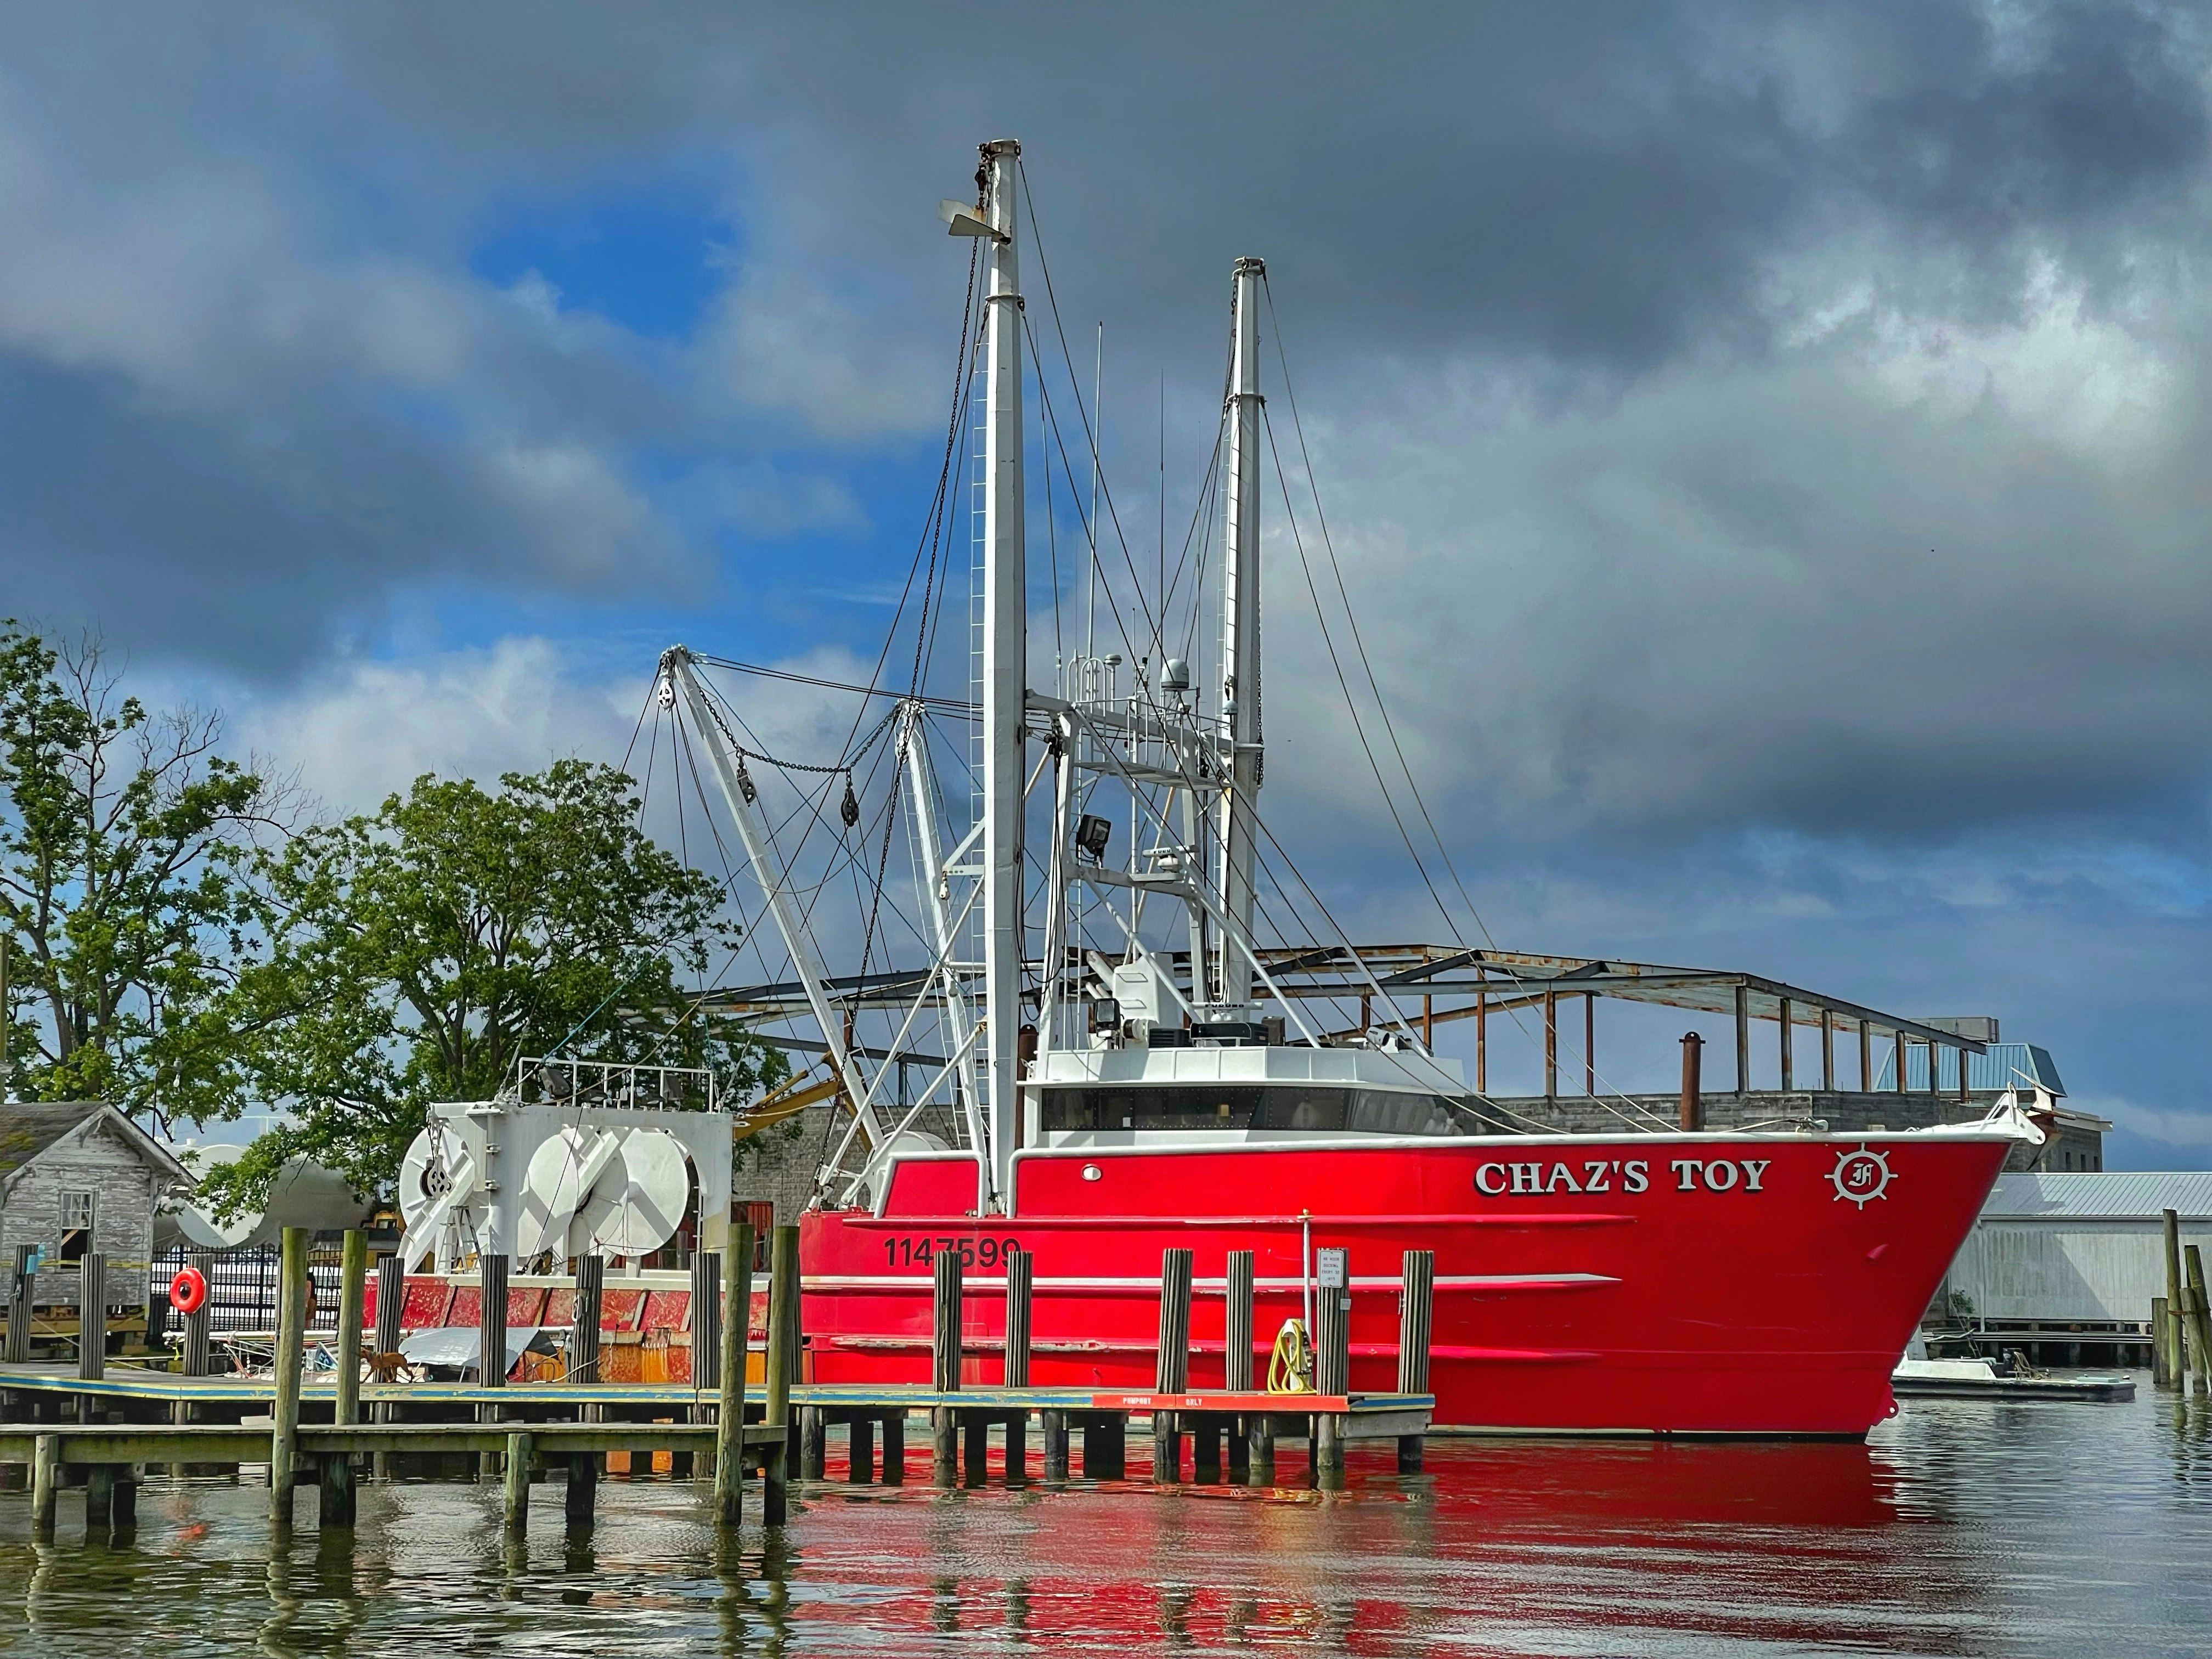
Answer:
(1240, 632)
(1005, 652)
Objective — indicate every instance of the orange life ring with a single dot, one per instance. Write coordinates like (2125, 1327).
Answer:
(188, 1291)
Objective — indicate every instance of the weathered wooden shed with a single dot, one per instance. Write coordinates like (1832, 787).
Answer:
(78, 1175)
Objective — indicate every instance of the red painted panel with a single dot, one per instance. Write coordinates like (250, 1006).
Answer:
(467, 1307)
(560, 1307)
(666, 1311)
(618, 1310)
(932, 1187)
(525, 1304)
(426, 1304)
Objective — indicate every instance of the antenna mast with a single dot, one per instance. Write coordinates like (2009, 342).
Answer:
(1240, 633)
(1006, 639)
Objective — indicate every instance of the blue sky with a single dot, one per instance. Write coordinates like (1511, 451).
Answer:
(1765, 446)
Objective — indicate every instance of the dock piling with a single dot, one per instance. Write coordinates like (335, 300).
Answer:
(894, 1448)
(2200, 1316)
(1052, 1429)
(92, 1316)
(491, 1347)
(1416, 1311)
(21, 1288)
(1260, 1450)
(583, 1487)
(1019, 1280)
(515, 1512)
(730, 1414)
(1171, 1374)
(707, 1320)
(944, 1445)
(337, 1501)
(977, 1451)
(100, 1496)
(584, 1335)
(46, 1483)
(861, 1450)
(291, 1337)
(390, 1312)
(782, 1371)
(353, 1282)
(1332, 1373)
(1236, 1358)
(2176, 1359)
(944, 1322)
(2161, 1375)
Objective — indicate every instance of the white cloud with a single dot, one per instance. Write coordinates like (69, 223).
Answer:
(2189, 1130)
(365, 728)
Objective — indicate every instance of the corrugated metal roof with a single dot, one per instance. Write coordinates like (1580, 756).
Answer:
(2115, 1193)
(2001, 1067)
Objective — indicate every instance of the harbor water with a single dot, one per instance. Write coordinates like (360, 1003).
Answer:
(1961, 1527)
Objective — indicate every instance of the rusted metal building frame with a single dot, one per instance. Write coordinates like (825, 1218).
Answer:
(1454, 984)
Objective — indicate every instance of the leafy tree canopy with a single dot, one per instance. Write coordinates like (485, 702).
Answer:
(417, 954)
(123, 841)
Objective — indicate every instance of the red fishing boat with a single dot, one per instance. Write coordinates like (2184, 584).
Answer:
(1175, 1046)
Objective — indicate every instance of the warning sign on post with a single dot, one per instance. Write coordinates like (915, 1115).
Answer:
(1329, 1266)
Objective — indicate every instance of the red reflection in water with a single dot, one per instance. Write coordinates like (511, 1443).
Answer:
(1745, 1540)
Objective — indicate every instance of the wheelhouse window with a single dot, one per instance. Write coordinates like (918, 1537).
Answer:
(1271, 1106)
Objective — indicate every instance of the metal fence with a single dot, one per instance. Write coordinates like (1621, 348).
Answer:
(242, 1286)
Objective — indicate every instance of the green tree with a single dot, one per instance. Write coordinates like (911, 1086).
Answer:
(416, 954)
(124, 836)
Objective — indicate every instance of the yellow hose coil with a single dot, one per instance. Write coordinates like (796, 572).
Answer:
(1290, 1367)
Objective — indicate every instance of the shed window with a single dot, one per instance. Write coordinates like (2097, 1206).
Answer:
(76, 1225)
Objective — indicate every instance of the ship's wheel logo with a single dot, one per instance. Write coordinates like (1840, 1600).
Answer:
(1861, 1176)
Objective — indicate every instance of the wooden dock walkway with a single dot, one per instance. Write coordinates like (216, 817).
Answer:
(317, 1429)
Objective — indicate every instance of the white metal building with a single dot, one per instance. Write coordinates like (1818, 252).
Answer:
(2061, 1261)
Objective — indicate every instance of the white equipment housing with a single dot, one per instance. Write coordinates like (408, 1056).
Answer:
(504, 1178)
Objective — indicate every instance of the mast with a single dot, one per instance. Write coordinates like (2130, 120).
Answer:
(1005, 641)
(1240, 632)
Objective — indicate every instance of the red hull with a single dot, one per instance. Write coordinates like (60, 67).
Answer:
(1707, 1283)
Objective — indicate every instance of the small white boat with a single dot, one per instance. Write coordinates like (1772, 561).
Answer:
(1980, 1379)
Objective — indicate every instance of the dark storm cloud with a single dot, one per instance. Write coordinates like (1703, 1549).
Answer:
(1569, 192)
(1683, 369)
